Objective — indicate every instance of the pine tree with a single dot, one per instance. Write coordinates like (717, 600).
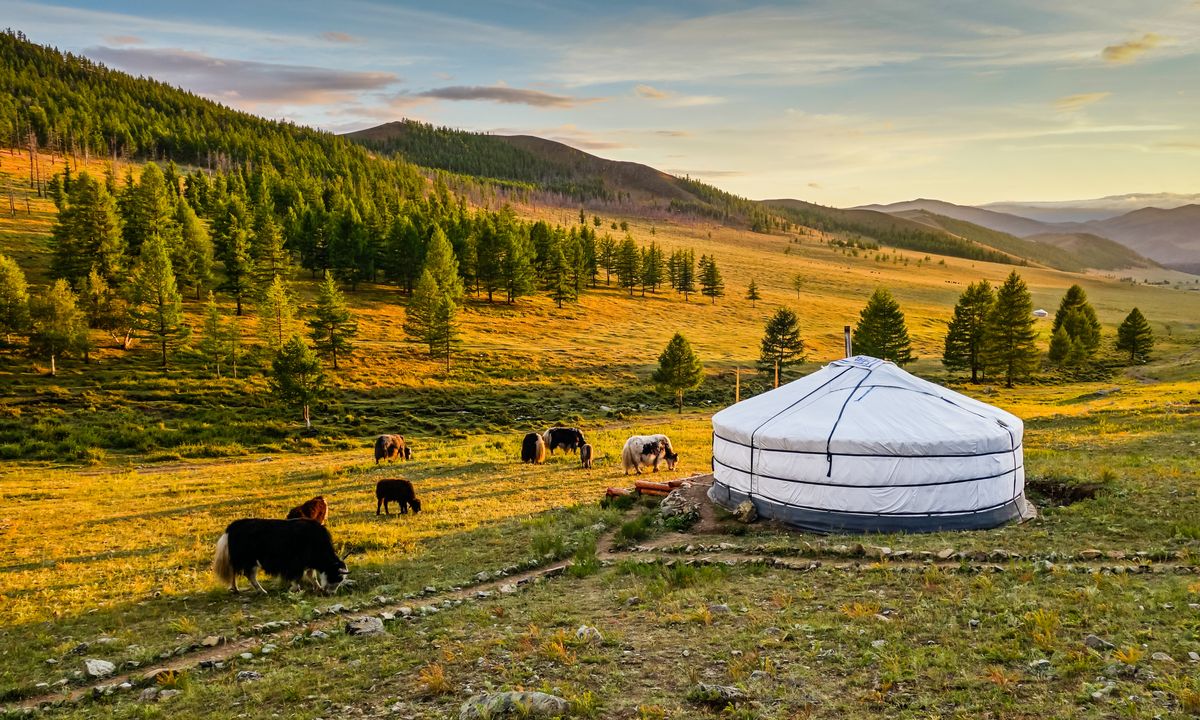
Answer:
(333, 326)
(781, 344)
(443, 266)
(1135, 337)
(652, 268)
(881, 331)
(678, 370)
(628, 264)
(148, 210)
(1061, 345)
(271, 260)
(752, 293)
(106, 309)
(1077, 316)
(687, 273)
(276, 315)
(14, 300)
(193, 259)
(297, 377)
(558, 277)
(156, 305)
(797, 284)
(1010, 339)
(711, 283)
(214, 345)
(965, 334)
(443, 330)
(239, 266)
(516, 266)
(425, 318)
(57, 325)
(606, 257)
(87, 234)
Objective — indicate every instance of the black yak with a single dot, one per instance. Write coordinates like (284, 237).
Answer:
(391, 447)
(650, 450)
(585, 456)
(284, 548)
(316, 509)
(563, 437)
(398, 491)
(533, 449)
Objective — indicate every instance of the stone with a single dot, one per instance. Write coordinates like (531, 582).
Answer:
(676, 504)
(482, 575)
(1162, 657)
(630, 602)
(1090, 554)
(877, 644)
(1193, 656)
(318, 635)
(589, 635)
(760, 676)
(719, 609)
(508, 588)
(521, 704)
(973, 622)
(167, 694)
(1041, 665)
(335, 609)
(716, 695)
(99, 668)
(267, 649)
(878, 551)
(745, 512)
(404, 611)
(364, 626)
(211, 641)
(246, 656)
(147, 695)
(249, 676)
(429, 590)
(1096, 642)
(945, 554)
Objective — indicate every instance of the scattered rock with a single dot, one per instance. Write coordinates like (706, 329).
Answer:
(1040, 666)
(877, 644)
(1090, 554)
(635, 600)
(878, 551)
(676, 504)
(508, 588)
(1162, 657)
(335, 609)
(167, 694)
(716, 695)
(318, 635)
(945, 554)
(364, 626)
(148, 695)
(760, 676)
(80, 649)
(973, 622)
(589, 634)
(523, 704)
(99, 668)
(247, 656)
(211, 641)
(1096, 642)
(1193, 656)
(745, 512)
(717, 609)
(249, 676)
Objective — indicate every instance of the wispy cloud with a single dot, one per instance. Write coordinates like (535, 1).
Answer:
(673, 99)
(335, 36)
(1073, 103)
(244, 83)
(506, 95)
(1132, 49)
(124, 40)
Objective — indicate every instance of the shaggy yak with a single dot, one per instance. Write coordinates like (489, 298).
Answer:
(642, 450)
(391, 447)
(316, 509)
(565, 438)
(285, 548)
(398, 491)
(585, 456)
(533, 449)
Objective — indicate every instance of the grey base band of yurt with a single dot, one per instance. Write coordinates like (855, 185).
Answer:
(863, 446)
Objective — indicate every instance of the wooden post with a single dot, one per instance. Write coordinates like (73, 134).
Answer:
(776, 373)
(737, 385)
(849, 347)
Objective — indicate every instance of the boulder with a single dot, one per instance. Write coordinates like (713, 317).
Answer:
(1096, 642)
(99, 668)
(745, 512)
(676, 504)
(367, 625)
(520, 704)
(249, 676)
(716, 695)
(589, 635)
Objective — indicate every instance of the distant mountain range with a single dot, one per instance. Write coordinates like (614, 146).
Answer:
(1168, 235)
(1105, 234)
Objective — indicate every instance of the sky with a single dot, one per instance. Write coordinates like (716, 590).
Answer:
(835, 102)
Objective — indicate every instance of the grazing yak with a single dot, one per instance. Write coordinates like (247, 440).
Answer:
(391, 447)
(585, 456)
(563, 437)
(284, 548)
(316, 509)
(641, 450)
(533, 449)
(398, 491)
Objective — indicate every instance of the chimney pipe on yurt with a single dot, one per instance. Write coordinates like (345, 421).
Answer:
(846, 333)
(863, 446)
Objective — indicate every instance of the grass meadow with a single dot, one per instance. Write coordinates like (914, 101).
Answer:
(117, 477)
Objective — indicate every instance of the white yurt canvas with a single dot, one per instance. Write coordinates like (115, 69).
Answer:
(863, 446)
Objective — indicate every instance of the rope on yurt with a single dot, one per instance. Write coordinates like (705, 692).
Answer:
(829, 440)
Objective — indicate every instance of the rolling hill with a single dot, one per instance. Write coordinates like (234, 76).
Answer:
(1169, 235)
(1004, 222)
(1092, 209)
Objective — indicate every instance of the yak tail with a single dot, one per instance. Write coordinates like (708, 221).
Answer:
(222, 564)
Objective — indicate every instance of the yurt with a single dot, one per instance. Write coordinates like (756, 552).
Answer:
(863, 446)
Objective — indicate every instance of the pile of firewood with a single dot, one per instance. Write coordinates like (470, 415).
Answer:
(646, 487)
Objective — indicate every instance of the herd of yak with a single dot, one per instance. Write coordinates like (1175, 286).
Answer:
(301, 544)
